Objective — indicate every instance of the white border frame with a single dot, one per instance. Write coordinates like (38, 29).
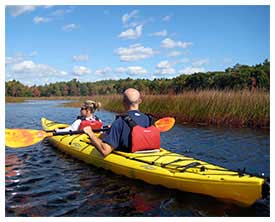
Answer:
(4, 3)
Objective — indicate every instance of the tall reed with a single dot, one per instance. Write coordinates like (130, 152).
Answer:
(208, 107)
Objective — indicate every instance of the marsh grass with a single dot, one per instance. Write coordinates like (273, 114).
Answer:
(221, 108)
(208, 107)
(10, 99)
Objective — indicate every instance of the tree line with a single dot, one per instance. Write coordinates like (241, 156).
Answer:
(233, 78)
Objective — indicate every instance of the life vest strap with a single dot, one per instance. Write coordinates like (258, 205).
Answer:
(131, 123)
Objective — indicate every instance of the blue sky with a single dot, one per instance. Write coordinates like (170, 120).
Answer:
(58, 43)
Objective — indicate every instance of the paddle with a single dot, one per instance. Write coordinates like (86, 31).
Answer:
(165, 124)
(17, 138)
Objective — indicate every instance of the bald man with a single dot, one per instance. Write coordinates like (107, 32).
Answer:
(118, 138)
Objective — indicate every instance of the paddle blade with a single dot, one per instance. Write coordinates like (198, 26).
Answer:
(165, 124)
(16, 138)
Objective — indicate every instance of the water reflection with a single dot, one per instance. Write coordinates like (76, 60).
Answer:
(13, 166)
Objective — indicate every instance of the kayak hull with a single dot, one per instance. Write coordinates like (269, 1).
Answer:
(165, 168)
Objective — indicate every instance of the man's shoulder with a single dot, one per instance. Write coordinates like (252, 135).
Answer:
(136, 113)
(117, 122)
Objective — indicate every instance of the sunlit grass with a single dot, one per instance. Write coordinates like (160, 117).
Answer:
(10, 99)
(231, 108)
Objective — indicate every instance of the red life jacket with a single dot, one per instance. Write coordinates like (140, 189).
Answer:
(142, 138)
(94, 124)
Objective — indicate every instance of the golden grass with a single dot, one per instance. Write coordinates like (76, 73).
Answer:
(208, 107)
(10, 99)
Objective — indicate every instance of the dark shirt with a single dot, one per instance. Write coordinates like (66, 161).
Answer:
(119, 136)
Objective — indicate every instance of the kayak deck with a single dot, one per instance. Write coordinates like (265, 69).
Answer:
(165, 168)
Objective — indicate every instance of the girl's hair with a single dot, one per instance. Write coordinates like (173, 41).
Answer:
(92, 105)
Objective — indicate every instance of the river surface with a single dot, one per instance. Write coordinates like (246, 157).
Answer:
(42, 181)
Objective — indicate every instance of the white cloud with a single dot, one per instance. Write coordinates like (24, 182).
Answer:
(8, 76)
(52, 16)
(69, 27)
(48, 6)
(183, 60)
(136, 70)
(30, 73)
(170, 43)
(200, 62)
(8, 60)
(134, 53)
(174, 54)
(13, 60)
(131, 33)
(191, 70)
(25, 67)
(29, 67)
(162, 33)
(38, 19)
(79, 58)
(128, 16)
(165, 67)
(168, 71)
(81, 70)
(33, 53)
(120, 70)
(132, 19)
(131, 70)
(19, 57)
(21, 9)
(61, 12)
(167, 18)
(104, 71)
(18, 10)
(163, 64)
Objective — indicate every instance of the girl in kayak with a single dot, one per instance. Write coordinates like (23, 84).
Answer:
(86, 118)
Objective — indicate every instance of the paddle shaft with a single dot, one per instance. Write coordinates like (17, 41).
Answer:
(74, 132)
(106, 128)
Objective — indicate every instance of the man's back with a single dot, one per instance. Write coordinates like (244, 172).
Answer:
(119, 134)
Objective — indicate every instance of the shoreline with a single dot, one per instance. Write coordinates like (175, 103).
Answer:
(234, 109)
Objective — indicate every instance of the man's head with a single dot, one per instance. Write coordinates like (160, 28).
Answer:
(131, 97)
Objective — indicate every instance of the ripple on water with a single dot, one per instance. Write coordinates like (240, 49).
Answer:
(41, 181)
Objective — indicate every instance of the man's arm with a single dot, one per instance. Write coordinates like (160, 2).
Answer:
(104, 148)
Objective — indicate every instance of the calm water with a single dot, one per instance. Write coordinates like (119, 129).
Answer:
(42, 181)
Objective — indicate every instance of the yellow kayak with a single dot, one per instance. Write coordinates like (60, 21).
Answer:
(165, 168)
